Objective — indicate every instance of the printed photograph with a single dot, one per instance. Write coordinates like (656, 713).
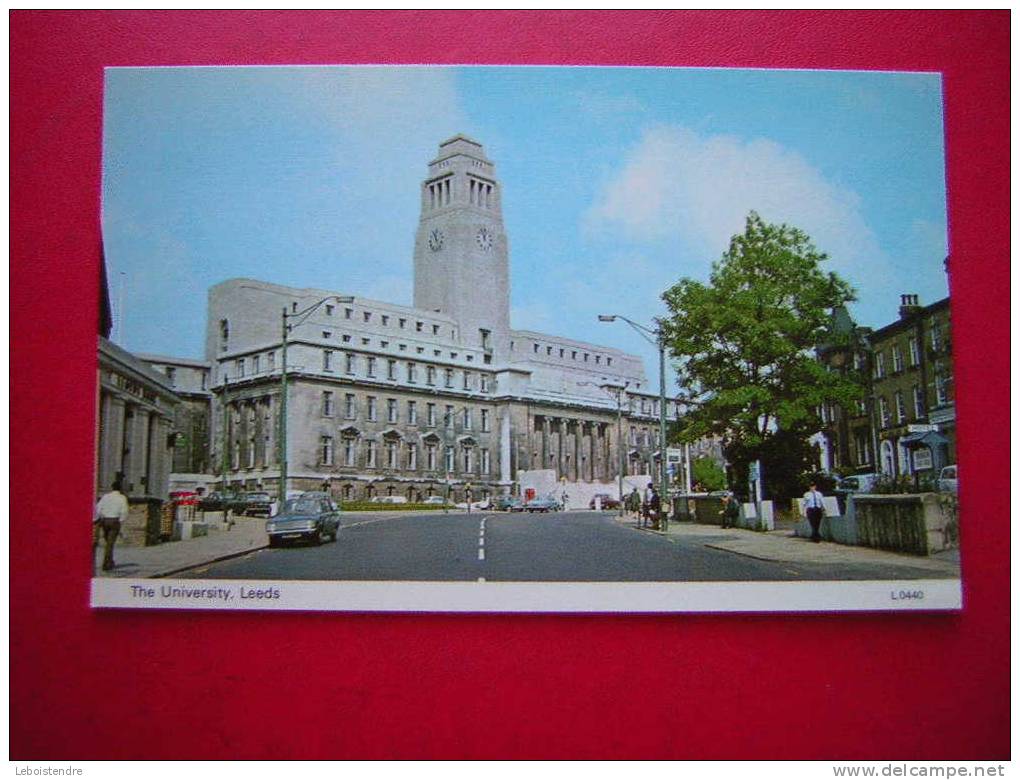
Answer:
(525, 339)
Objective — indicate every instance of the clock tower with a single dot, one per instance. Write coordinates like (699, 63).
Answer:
(461, 254)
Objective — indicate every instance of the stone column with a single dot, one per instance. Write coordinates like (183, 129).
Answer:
(561, 448)
(136, 466)
(111, 440)
(504, 446)
(544, 455)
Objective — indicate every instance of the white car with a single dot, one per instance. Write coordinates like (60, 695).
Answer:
(389, 500)
(948, 480)
(435, 501)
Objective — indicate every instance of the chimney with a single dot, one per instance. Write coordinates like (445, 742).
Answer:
(909, 306)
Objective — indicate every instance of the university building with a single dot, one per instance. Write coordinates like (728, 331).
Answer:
(442, 397)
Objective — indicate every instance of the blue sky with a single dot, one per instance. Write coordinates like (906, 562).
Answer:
(617, 182)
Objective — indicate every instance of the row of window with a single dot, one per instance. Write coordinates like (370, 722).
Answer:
(397, 456)
(899, 405)
(552, 350)
(450, 416)
(913, 353)
(346, 338)
(391, 371)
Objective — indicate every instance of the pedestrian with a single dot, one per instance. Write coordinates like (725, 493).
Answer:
(111, 513)
(814, 508)
(730, 511)
(654, 507)
(634, 503)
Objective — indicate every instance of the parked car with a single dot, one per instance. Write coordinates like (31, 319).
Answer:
(606, 500)
(388, 500)
(435, 501)
(858, 483)
(479, 506)
(948, 480)
(257, 505)
(508, 504)
(217, 501)
(544, 504)
(312, 517)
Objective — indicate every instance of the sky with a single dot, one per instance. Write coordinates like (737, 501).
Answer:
(617, 183)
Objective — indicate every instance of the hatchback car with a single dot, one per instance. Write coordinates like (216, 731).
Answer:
(606, 501)
(312, 517)
(545, 504)
(257, 505)
(948, 480)
(508, 504)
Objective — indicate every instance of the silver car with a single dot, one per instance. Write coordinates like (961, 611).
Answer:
(948, 480)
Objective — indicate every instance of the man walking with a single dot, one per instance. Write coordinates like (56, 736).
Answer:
(111, 512)
(814, 508)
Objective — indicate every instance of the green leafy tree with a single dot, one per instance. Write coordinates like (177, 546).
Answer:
(707, 473)
(743, 346)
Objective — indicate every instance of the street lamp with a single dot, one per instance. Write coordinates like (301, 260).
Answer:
(617, 392)
(299, 317)
(655, 337)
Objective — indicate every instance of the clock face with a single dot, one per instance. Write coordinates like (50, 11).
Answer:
(484, 239)
(436, 240)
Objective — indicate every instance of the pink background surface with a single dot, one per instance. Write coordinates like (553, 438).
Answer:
(95, 684)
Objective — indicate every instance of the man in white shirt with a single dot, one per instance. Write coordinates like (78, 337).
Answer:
(814, 508)
(111, 511)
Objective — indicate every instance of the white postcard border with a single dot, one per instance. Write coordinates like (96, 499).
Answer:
(539, 597)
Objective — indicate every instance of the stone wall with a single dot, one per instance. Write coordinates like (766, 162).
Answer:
(920, 524)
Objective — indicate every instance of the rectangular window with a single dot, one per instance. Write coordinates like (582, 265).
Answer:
(349, 363)
(403, 323)
(430, 375)
(350, 406)
(880, 365)
(371, 367)
(239, 366)
(327, 403)
(327, 360)
(271, 361)
(484, 383)
(368, 316)
(883, 412)
(348, 313)
(418, 326)
(467, 419)
(171, 375)
(435, 330)
(370, 454)
(385, 319)
(901, 411)
(918, 402)
(485, 460)
(350, 450)
(915, 353)
(467, 380)
(372, 411)
(430, 415)
(467, 460)
(391, 455)
(326, 451)
(897, 358)
(412, 457)
(412, 412)
(936, 336)
(449, 459)
(449, 377)
(391, 369)
(430, 456)
(224, 335)
(391, 410)
(255, 364)
(941, 389)
(329, 309)
(485, 420)
(412, 373)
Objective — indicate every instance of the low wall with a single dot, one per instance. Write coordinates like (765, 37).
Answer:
(921, 524)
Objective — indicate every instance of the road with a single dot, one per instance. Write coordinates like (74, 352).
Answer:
(554, 547)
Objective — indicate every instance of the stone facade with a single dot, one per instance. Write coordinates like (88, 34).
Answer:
(907, 413)
(442, 397)
(137, 408)
(189, 380)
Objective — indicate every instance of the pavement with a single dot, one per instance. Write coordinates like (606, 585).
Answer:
(782, 546)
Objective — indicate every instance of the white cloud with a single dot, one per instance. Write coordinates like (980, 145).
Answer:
(698, 189)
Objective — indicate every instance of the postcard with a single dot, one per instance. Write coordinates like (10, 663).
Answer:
(504, 339)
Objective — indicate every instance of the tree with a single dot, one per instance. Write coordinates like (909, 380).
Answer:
(743, 344)
(707, 473)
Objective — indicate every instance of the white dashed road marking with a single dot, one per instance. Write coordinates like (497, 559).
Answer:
(481, 541)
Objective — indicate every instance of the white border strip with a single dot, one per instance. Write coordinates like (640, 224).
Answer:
(347, 596)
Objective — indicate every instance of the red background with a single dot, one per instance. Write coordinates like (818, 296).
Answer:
(103, 684)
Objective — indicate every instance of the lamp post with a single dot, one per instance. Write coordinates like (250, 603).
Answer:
(655, 337)
(289, 321)
(617, 391)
